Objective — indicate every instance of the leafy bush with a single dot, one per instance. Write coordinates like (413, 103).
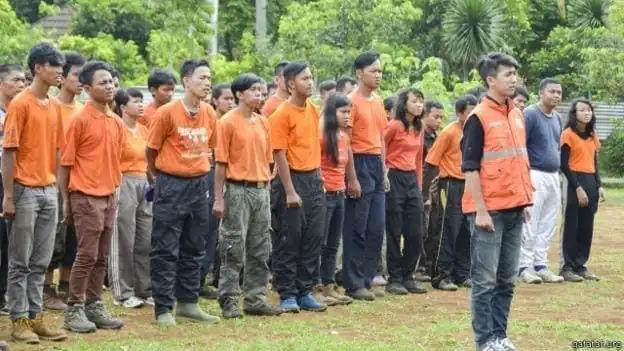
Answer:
(16, 36)
(612, 153)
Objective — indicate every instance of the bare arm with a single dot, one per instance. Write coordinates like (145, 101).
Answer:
(351, 175)
(219, 180)
(284, 171)
(63, 182)
(151, 155)
(473, 184)
(8, 172)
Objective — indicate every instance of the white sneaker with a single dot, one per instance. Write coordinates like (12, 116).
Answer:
(492, 345)
(505, 344)
(529, 277)
(131, 302)
(149, 301)
(549, 277)
(379, 280)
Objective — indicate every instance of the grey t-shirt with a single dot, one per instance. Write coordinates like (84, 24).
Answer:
(543, 137)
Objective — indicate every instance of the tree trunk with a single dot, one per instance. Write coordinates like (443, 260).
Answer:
(261, 27)
(214, 21)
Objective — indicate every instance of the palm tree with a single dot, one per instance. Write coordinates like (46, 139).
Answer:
(472, 28)
(589, 13)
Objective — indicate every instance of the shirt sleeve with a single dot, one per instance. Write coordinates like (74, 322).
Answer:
(472, 145)
(279, 130)
(158, 129)
(14, 125)
(212, 142)
(434, 156)
(597, 175)
(565, 166)
(389, 132)
(60, 131)
(222, 151)
(68, 156)
(269, 149)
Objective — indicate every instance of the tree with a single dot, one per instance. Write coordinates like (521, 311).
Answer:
(16, 36)
(261, 30)
(30, 10)
(589, 13)
(472, 28)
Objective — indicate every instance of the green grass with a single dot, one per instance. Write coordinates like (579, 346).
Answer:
(542, 318)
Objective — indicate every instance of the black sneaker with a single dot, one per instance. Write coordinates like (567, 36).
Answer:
(570, 276)
(229, 308)
(361, 294)
(446, 285)
(587, 275)
(396, 289)
(264, 310)
(414, 287)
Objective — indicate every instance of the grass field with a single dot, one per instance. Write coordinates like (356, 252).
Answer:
(543, 317)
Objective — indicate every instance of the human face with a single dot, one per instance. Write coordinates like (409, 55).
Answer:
(134, 109)
(584, 113)
(265, 95)
(13, 84)
(200, 82)
(433, 119)
(550, 96)
(325, 94)
(464, 116)
(415, 105)
(116, 83)
(251, 97)
(71, 84)
(520, 102)
(225, 102)
(343, 114)
(505, 81)
(371, 75)
(102, 88)
(302, 84)
(50, 75)
(163, 94)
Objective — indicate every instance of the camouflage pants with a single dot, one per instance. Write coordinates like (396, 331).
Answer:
(244, 240)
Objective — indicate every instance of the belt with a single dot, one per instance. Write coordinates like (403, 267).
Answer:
(248, 184)
(335, 193)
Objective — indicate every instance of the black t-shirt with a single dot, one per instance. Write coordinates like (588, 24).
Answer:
(472, 145)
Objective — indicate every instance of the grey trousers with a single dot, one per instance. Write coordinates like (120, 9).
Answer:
(244, 239)
(31, 244)
(129, 260)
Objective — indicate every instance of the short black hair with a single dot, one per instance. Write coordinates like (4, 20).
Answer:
(431, 104)
(546, 81)
(114, 72)
(280, 68)
(123, 96)
(327, 85)
(293, 69)
(243, 82)
(189, 67)
(218, 89)
(72, 59)
(366, 59)
(477, 92)
(489, 64)
(389, 103)
(43, 53)
(6, 69)
(161, 77)
(89, 69)
(463, 102)
(522, 91)
(271, 85)
(342, 82)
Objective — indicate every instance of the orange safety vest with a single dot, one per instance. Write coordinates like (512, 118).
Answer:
(505, 170)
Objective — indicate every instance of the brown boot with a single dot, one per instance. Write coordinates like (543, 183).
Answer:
(45, 331)
(332, 291)
(317, 294)
(22, 332)
(52, 300)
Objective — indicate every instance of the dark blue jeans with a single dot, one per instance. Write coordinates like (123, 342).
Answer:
(494, 268)
(334, 218)
(181, 211)
(364, 224)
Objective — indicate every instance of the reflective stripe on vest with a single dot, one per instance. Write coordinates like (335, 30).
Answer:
(505, 153)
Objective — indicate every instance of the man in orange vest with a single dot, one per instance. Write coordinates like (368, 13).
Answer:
(496, 200)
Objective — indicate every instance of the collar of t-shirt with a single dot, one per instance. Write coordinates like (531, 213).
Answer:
(189, 112)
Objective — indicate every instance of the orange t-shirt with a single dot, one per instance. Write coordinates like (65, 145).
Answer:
(404, 149)
(244, 144)
(95, 141)
(271, 105)
(133, 160)
(183, 142)
(149, 112)
(446, 153)
(296, 130)
(368, 119)
(66, 111)
(334, 174)
(582, 151)
(35, 130)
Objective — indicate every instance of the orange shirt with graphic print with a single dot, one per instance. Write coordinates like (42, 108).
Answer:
(404, 148)
(296, 130)
(334, 174)
(368, 120)
(133, 160)
(95, 141)
(244, 145)
(446, 153)
(35, 130)
(183, 142)
(582, 151)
